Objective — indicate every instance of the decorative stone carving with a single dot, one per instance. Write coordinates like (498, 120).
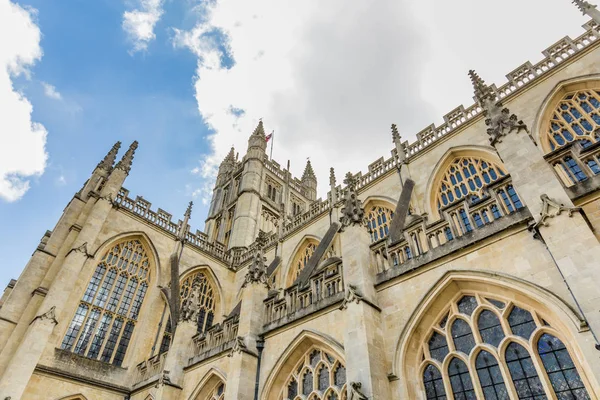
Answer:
(82, 249)
(499, 120)
(109, 160)
(550, 209)
(257, 270)
(353, 212)
(164, 379)
(191, 305)
(125, 163)
(356, 391)
(238, 346)
(352, 295)
(49, 315)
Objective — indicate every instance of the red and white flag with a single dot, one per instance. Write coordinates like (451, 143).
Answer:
(269, 136)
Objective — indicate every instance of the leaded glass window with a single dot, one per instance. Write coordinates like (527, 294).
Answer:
(434, 383)
(379, 220)
(575, 118)
(206, 301)
(318, 375)
(496, 375)
(218, 393)
(490, 377)
(107, 314)
(559, 366)
(301, 259)
(466, 176)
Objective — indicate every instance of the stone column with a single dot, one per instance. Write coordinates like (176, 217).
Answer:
(244, 356)
(561, 226)
(363, 339)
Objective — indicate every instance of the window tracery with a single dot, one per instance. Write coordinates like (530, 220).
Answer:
(575, 118)
(218, 393)
(108, 311)
(379, 220)
(466, 176)
(318, 375)
(206, 303)
(301, 259)
(490, 351)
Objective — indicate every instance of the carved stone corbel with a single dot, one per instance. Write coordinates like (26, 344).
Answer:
(356, 391)
(164, 379)
(352, 295)
(551, 209)
(82, 249)
(49, 315)
(238, 346)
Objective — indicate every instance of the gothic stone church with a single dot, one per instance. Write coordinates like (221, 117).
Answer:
(466, 265)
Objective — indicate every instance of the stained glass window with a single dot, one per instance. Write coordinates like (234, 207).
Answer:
(575, 118)
(109, 308)
(559, 366)
(318, 376)
(490, 316)
(434, 384)
(490, 377)
(466, 176)
(379, 219)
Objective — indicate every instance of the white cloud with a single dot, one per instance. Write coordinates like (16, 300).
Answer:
(331, 76)
(51, 92)
(22, 141)
(139, 23)
(61, 180)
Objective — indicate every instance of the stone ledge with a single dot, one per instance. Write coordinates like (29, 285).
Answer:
(57, 372)
(215, 351)
(583, 188)
(523, 216)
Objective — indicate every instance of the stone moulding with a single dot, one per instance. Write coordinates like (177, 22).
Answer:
(551, 209)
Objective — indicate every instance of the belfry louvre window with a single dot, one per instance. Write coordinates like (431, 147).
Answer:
(318, 376)
(466, 176)
(107, 314)
(492, 349)
(379, 219)
(206, 313)
(577, 117)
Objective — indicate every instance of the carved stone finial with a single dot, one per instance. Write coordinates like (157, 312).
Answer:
(188, 211)
(499, 120)
(309, 173)
(395, 134)
(127, 160)
(238, 346)
(352, 295)
(551, 209)
(352, 212)
(257, 270)
(331, 177)
(583, 6)
(356, 391)
(259, 130)
(109, 160)
(49, 315)
(261, 240)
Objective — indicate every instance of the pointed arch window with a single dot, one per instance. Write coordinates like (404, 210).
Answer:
(301, 260)
(206, 312)
(379, 220)
(109, 308)
(496, 363)
(575, 118)
(218, 392)
(464, 177)
(319, 375)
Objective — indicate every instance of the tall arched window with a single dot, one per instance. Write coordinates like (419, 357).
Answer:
(485, 344)
(319, 375)
(379, 220)
(206, 313)
(466, 176)
(575, 118)
(107, 314)
(218, 393)
(301, 259)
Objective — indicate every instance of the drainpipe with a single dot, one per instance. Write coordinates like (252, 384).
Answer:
(260, 345)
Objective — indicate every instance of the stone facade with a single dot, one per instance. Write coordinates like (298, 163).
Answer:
(480, 282)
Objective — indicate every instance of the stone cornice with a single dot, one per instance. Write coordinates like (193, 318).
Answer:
(46, 370)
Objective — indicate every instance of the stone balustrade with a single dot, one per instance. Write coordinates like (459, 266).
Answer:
(149, 369)
(217, 339)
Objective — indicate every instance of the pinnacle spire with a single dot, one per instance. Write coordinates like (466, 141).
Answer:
(127, 160)
(259, 130)
(583, 6)
(183, 227)
(309, 173)
(395, 135)
(109, 160)
(331, 177)
(188, 211)
(482, 91)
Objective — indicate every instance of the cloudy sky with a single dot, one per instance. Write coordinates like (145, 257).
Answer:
(191, 78)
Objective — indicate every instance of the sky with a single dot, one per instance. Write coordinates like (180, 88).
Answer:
(189, 79)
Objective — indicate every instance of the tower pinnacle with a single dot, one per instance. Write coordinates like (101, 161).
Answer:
(109, 160)
(588, 9)
(309, 173)
(127, 160)
(259, 130)
(482, 91)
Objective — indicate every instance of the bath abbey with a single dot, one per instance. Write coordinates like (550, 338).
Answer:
(462, 265)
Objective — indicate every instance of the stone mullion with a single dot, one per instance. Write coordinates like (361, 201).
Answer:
(107, 335)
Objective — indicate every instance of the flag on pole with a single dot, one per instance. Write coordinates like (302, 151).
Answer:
(269, 136)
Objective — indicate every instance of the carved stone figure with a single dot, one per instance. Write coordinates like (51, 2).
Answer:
(356, 392)
(257, 271)
(352, 295)
(191, 305)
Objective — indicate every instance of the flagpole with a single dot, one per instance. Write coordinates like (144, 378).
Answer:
(272, 140)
